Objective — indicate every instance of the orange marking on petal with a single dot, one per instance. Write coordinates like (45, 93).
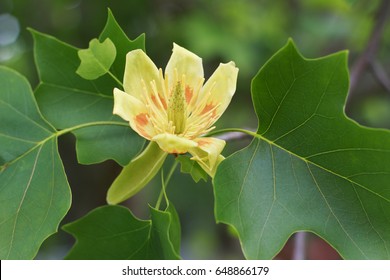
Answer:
(141, 119)
(155, 101)
(157, 104)
(164, 103)
(204, 142)
(176, 152)
(143, 132)
(188, 93)
(209, 108)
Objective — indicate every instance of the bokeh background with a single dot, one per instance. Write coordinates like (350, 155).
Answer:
(248, 32)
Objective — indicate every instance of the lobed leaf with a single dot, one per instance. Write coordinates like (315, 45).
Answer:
(67, 100)
(310, 167)
(112, 232)
(34, 191)
(192, 167)
(123, 44)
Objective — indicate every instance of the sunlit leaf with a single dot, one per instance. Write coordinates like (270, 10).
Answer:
(310, 168)
(112, 232)
(34, 191)
(97, 59)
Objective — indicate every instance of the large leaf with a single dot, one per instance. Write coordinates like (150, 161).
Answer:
(34, 191)
(309, 167)
(112, 232)
(67, 100)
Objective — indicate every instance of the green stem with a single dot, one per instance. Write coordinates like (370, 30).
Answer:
(84, 125)
(165, 185)
(59, 133)
(115, 78)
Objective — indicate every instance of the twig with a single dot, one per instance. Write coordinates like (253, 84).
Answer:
(299, 251)
(229, 136)
(372, 46)
(380, 74)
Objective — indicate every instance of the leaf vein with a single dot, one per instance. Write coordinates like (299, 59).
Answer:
(242, 185)
(369, 220)
(22, 199)
(331, 210)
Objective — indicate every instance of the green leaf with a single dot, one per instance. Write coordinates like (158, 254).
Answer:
(67, 100)
(310, 167)
(192, 167)
(136, 174)
(112, 232)
(123, 44)
(34, 191)
(97, 59)
(165, 235)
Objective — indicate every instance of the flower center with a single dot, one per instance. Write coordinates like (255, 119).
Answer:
(177, 108)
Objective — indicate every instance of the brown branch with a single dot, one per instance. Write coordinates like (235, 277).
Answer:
(229, 136)
(300, 244)
(371, 48)
(380, 74)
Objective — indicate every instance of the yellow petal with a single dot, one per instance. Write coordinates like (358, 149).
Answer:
(184, 62)
(174, 144)
(133, 111)
(208, 153)
(140, 72)
(218, 91)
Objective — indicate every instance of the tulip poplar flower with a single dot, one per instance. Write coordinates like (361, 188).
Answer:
(175, 109)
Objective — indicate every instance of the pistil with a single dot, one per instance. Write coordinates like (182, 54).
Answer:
(177, 108)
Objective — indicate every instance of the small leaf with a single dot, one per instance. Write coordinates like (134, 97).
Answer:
(112, 232)
(34, 191)
(67, 100)
(97, 59)
(166, 235)
(136, 174)
(174, 228)
(310, 168)
(192, 167)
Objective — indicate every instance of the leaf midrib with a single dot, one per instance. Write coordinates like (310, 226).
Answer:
(319, 166)
(22, 200)
(305, 159)
(76, 90)
(59, 133)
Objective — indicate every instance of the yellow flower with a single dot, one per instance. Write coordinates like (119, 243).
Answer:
(176, 108)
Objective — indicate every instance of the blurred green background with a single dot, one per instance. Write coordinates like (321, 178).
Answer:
(248, 32)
